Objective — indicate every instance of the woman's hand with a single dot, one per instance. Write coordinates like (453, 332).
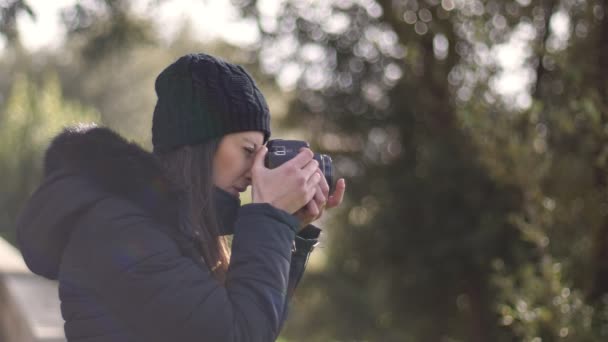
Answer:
(314, 208)
(288, 187)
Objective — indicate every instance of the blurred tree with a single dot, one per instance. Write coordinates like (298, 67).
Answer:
(9, 11)
(32, 116)
(462, 203)
(557, 155)
(107, 27)
(410, 253)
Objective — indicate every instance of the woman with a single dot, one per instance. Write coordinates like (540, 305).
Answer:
(136, 239)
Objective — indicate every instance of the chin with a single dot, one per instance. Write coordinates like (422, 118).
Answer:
(234, 192)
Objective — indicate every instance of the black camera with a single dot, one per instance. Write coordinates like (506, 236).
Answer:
(280, 151)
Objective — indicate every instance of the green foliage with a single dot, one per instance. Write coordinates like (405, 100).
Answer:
(537, 304)
(32, 115)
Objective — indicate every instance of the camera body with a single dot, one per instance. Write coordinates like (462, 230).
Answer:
(280, 151)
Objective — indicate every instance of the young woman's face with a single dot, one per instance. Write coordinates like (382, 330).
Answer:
(233, 160)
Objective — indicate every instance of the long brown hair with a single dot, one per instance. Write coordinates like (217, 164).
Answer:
(191, 168)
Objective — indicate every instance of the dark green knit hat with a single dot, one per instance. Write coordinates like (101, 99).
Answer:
(202, 97)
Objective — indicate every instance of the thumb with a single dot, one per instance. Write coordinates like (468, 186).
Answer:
(258, 162)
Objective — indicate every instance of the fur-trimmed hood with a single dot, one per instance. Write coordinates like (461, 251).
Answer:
(82, 165)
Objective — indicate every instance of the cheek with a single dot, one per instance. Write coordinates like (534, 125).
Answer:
(228, 167)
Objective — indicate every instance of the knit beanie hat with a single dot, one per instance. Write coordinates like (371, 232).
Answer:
(202, 97)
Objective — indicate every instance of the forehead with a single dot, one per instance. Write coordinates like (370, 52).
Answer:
(254, 137)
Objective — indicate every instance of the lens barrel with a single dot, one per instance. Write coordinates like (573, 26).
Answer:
(326, 167)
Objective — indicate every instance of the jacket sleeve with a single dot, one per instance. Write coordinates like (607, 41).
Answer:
(141, 277)
(305, 241)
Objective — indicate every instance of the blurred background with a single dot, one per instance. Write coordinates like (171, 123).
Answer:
(472, 134)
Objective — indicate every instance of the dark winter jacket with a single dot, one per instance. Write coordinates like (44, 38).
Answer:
(110, 228)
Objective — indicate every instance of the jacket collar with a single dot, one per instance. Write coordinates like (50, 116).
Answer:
(227, 207)
(85, 164)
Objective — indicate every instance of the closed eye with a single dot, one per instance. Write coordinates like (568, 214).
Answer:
(249, 151)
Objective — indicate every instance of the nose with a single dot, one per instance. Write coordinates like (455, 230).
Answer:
(248, 177)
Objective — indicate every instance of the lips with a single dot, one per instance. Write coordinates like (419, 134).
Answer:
(237, 191)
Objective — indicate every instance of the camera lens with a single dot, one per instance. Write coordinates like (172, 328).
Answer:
(327, 169)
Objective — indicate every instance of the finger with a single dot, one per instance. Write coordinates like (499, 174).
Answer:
(307, 209)
(312, 183)
(336, 198)
(305, 213)
(324, 187)
(258, 161)
(310, 169)
(311, 186)
(319, 197)
(313, 209)
(301, 159)
(320, 205)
